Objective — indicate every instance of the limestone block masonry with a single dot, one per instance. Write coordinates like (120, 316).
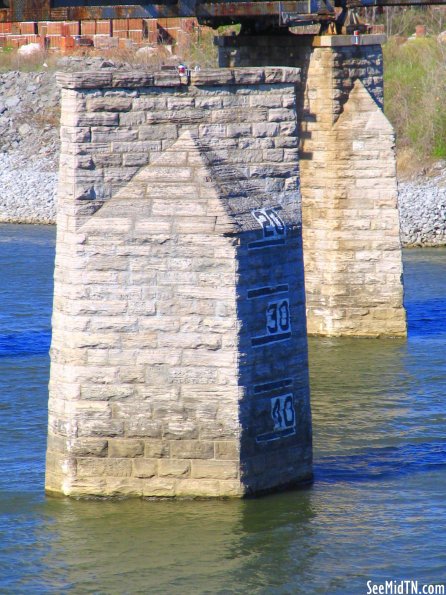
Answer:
(352, 248)
(179, 355)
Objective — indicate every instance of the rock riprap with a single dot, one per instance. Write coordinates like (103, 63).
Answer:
(422, 207)
(29, 140)
(27, 189)
(29, 113)
(29, 146)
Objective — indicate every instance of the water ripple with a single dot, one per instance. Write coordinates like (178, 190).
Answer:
(376, 510)
(382, 463)
(25, 343)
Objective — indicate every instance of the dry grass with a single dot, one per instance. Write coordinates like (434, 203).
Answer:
(200, 51)
(10, 59)
(153, 59)
(48, 117)
(197, 49)
(50, 61)
(409, 164)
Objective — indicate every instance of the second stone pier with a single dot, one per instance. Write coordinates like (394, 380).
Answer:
(352, 248)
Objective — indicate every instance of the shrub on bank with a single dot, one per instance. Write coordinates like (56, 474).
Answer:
(415, 97)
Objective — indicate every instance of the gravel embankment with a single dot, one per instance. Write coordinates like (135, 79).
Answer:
(29, 155)
(29, 146)
(422, 207)
(27, 189)
(29, 139)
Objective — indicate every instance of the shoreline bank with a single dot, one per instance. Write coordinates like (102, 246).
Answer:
(28, 195)
(422, 210)
(29, 158)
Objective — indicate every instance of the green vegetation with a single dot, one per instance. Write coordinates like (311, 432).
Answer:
(202, 50)
(415, 98)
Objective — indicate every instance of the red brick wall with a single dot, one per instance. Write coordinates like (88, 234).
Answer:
(133, 31)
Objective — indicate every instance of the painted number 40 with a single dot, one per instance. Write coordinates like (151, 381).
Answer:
(283, 415)
(282, 412)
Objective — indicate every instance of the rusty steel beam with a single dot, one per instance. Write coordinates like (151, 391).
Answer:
(370, 3)
(210, 11)
(77, 10)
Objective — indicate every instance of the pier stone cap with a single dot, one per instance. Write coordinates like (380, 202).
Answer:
(300, 40)
(332, 41)
(133, 79)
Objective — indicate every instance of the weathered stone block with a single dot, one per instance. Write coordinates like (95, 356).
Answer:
(109, 104)
(173, 468)
(122, 79)
(96, 119)
(215, 469)
(144, 428)
(125, 448)
(192, 449)
(128, 487)
(204, 488)
(159, 486)
(226, 451)
(144, 468)
(91, 428)
(156, 449)
(95, 467)
(180, 429)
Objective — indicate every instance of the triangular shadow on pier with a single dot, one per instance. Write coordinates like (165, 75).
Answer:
(189, 170)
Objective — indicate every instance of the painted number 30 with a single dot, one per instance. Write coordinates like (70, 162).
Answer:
(278, 317)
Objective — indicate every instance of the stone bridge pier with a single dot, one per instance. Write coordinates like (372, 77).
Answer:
(179, 352)
(352, 249)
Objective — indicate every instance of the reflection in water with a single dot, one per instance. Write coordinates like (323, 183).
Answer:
(375, 512)
(352, 382)
(174, 546)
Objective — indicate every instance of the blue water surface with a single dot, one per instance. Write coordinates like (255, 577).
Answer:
(375, 512)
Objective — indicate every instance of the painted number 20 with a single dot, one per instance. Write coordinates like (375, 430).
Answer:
(272, 224)
(273, 229)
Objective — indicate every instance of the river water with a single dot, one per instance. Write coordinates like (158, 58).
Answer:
(376, 510)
